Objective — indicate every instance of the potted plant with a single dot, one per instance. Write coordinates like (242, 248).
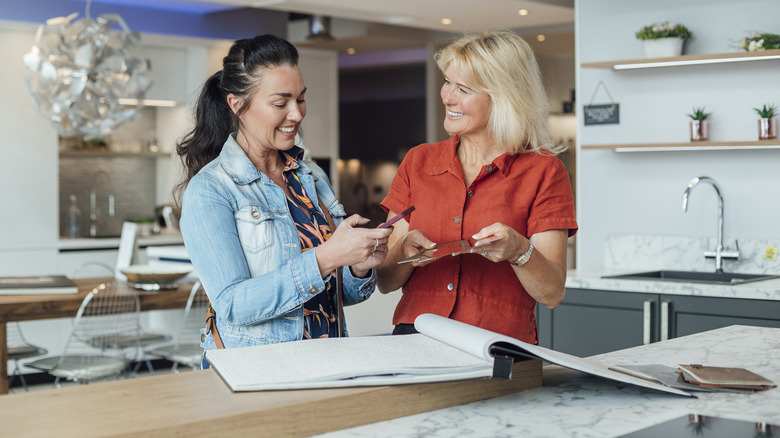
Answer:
(759, 41)
(699, 124)
(767, 124)
(663, 39)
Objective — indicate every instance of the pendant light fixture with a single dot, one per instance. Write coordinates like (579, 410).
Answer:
(77, 72)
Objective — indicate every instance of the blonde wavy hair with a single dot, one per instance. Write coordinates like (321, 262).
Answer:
(501, 64)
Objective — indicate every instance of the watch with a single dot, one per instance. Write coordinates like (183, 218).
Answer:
(523, 259)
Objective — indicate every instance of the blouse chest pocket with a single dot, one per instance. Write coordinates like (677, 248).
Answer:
(255, 227)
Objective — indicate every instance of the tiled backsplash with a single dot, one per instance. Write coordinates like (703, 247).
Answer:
(133, 187)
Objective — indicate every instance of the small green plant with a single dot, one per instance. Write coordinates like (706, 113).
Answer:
(759, 41)
(699, 114)
(664, 30)
(767, 112)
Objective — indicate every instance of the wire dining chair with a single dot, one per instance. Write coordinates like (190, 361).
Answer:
(186, 350)
(96, 347)
(19, 348)
(127, 249)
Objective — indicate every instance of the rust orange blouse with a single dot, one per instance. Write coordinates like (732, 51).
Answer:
(528, 192)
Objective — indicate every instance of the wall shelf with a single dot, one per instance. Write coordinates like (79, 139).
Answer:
(719, 58)
(112, 154)
(687, 146)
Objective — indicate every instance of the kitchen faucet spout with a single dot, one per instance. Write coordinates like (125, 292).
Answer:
(95, 215)
(719, 254)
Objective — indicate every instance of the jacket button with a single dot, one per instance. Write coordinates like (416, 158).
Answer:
(456, 220)
(470, 193)
(255, 214)
(312, 289)
(450, 286)
(490, 168)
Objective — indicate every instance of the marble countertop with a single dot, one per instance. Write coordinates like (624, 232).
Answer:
(758, 290)
(631, 253)
(572, 404)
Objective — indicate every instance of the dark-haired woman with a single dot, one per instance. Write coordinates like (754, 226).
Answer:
(252, 216)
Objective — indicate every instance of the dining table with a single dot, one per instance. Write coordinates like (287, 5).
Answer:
(26, 307)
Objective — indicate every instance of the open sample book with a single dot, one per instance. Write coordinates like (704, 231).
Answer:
(444, 350)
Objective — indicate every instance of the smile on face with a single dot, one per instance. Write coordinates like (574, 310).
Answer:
(468, 110)
(275, 110)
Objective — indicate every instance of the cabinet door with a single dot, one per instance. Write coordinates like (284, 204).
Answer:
(591, 322)
(167, 65)
(689, 315)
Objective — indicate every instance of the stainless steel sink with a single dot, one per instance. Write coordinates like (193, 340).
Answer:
(695, 277)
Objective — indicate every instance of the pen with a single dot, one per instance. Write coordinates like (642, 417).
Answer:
(397, 217)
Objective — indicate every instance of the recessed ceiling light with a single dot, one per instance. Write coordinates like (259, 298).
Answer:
(522, 12)
(540, 37)
(446, 21)
(351, 51)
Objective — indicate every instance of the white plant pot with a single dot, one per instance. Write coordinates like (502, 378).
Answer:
(663, 47)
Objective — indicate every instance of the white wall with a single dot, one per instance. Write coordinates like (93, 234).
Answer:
(641, 192)
(29, 220)
(321, 125)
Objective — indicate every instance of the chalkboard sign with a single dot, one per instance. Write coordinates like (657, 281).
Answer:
(603, 114)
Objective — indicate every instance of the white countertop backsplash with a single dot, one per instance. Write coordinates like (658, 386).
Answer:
(648, 252)
(626, 253)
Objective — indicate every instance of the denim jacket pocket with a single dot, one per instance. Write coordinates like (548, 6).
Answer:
(255, 228)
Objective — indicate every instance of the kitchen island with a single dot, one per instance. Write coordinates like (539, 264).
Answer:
(571, 404)
(568, 404)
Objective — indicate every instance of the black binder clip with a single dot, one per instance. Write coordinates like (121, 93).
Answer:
(502, 366)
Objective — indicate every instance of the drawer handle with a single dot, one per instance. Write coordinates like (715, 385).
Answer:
(646, 319)
(664, 320)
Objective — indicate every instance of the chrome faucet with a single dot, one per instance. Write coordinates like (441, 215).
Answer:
(720, 253)
(95, 215)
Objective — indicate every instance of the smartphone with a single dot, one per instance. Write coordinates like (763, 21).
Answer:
(397, 217)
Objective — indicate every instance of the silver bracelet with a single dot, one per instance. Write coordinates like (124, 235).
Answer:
(403, 239)
(523, 259)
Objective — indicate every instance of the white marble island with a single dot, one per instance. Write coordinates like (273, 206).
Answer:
(571, 404)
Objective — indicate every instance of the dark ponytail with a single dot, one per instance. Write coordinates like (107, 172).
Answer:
(242, 71)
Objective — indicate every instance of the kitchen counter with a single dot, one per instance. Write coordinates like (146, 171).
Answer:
(758, 290)
(94, 243)
(629, 253)
(571, 404)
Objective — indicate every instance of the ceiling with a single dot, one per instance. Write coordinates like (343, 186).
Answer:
(466, 15)
(401, 24)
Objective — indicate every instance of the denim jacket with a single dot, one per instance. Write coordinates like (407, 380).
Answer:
(243, 243)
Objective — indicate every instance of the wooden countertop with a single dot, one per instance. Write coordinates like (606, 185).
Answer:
(199, 403)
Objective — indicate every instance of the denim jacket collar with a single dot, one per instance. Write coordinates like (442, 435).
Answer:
(241, 169)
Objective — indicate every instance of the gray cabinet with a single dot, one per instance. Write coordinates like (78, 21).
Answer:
(687, 315)
(590, 322)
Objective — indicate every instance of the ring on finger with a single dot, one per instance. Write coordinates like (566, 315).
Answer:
(484, 254)
(375, 246)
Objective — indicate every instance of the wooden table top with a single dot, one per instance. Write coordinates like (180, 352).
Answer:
(45, 306)
(199, 403)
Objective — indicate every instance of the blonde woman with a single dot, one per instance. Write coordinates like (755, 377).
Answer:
(495, 182)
